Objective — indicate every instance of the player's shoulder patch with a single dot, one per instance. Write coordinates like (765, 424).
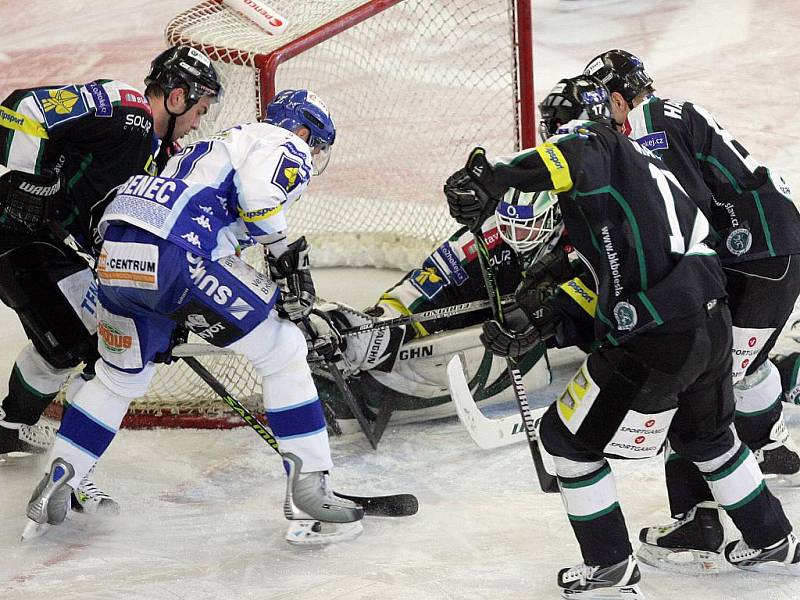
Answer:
(429, 280)
(288, 175)
(60, 105)
(133, 99)
(99, 98)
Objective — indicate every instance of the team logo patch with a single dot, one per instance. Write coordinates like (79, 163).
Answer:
(428, 280)
(625, 314)
(102, 103)
(61, 105)
(739, 241)
(287, 174)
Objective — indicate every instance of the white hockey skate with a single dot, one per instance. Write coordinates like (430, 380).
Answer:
(88, 498)
(613, 582)
(49, 503)
(780, 458)
(317, 515)
(782, 558)
(689, 545)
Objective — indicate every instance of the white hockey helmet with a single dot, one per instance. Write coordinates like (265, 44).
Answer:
(527, 220)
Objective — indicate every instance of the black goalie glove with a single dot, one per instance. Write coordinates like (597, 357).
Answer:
(513, 339)
(293, 266)
(472, 193)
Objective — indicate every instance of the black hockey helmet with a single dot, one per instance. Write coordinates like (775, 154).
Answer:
(187, 67)
(578, 97)
(621, 72)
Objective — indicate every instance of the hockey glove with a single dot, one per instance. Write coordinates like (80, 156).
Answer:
(323, 337)
(293, 266)
(534, 300)
(512, 340)
(472, 194)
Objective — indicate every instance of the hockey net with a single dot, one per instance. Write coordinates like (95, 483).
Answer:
(412, 86)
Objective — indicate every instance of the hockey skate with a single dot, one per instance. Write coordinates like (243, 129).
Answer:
(317, 515)
(692, 544)
(50, 500)
(25, 439)
(609, 582)
(780, 458)
(782, 558)
(88, 498)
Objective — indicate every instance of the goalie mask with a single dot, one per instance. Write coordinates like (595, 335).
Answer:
(526, 221)
(292, 109)
(621, 72)
(583, 98)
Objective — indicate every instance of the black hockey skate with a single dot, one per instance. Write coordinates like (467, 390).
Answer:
(691, 544)
(611, 582)
(782, 558)
(317, 515)
(16, 440)
(50, 500)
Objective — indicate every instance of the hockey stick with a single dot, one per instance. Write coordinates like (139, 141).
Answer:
(394, 505)
(547, 481)
(485, 432)
(428, 315)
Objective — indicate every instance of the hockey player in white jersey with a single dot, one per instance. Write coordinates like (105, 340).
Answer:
(170, 256)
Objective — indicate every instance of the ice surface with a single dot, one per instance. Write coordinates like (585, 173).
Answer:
(202, 510)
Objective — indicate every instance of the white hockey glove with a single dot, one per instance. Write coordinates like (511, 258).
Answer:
(322, 335)
(293, 266)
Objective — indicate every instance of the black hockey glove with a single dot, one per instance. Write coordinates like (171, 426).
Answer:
(28, 202)
(293, 265)
(472, 193)
(534, 300)
(514, 339)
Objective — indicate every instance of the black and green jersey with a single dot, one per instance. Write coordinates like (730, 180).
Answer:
(96, 135)
(750, 208)
(643, 239)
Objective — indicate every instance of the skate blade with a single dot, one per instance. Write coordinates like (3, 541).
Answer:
(625, 592)
(318, 533)
(691, 562)
(33, 530)
(773, 568)
(780, 480)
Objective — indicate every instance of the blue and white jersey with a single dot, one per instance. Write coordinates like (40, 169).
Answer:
(220, 193)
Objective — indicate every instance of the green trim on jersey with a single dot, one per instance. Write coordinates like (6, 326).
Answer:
(764, 224)
(637, 237)
(574, 485)
(648, 119)
(649, 306)
(747, 498)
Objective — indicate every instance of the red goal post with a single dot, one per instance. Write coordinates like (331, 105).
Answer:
(412, 85)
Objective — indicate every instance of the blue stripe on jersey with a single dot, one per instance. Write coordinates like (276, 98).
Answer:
(298, 420)
(84, 432)
(188, 160)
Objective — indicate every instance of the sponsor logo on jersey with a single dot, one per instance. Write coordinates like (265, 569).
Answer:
(123, 264)
(655, 141)
(287, 174)
(429, 280)
(492, 239)
(163, 190)
(239, 309)
(739, 241)
(207, 283)
(613, 260)
(134, 99)
(139, 121)
(457, 272)
(260, 214)
(102, 103)
(61, 105)
(625, 314)
(113, 339)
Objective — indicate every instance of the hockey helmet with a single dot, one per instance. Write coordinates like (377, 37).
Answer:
(292, 109)
(621, 72)
(578, 97)
(527, 220)
(187, 67)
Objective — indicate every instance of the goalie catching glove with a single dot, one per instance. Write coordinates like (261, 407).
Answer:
(472, 192)
(293, 266)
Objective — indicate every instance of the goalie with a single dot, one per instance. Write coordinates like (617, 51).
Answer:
(399, 372)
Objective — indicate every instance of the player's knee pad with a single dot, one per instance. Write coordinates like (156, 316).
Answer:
(123, 384)
(758, 390)
(272, 345)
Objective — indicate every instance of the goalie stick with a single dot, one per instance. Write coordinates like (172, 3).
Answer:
(547, 482)
(393, 505)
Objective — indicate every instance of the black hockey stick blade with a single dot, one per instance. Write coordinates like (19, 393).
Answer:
(394, 505)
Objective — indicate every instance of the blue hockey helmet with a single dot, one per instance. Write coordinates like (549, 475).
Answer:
(526, 221)
(292, 109)
(580, 97)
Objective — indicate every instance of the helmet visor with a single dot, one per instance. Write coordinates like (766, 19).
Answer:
(320, 156)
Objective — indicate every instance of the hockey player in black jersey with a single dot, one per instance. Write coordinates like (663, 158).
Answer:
(661, 364)
(62, 149)
(756, 227)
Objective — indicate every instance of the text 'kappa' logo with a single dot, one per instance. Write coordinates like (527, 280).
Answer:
(113, 339)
